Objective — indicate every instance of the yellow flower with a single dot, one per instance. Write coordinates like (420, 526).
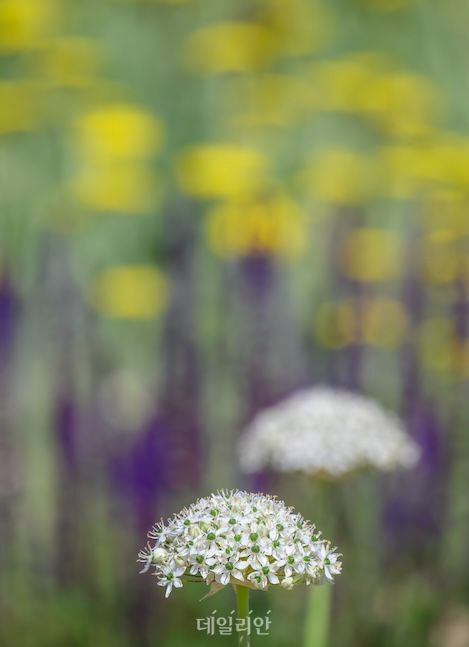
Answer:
(438, 346)
(20, 106)
(162, 2)
(270, 225)
(372, 255)
(341, 85)
(68, 62)
(123, 187)
(447, 207)
(129, 292)
(402, 104)
(385, 323)
(330, 326)
(378, 321)
(340, 177)
(118, 131)
(229, 47)
(25, 23)
(298, 26)
(268, 99)
(437, 165)
(387, 5)
(462, 360)
(444, 255)
(220, 170)
(398, 103)
(453, 151)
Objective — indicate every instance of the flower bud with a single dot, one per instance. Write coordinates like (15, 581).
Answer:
(194, 532)
(287, 583)
(160, 556)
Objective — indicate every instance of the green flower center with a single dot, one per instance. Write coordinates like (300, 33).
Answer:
(210, 536)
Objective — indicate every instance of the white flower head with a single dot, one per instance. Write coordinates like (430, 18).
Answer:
(328, 432)
(245, 539)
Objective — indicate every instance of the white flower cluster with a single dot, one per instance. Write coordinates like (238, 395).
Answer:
(328, 432)
(240, 538)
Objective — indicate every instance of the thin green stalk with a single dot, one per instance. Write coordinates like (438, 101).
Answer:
(242, 603)
(318, 616)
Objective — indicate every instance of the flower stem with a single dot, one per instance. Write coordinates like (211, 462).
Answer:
(242, 603)
(318, 616)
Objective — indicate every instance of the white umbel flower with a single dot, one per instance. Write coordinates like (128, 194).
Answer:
(239, 538)
(326, 432)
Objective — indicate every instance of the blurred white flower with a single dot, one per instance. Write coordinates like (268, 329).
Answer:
(243, 539)
(326, 432)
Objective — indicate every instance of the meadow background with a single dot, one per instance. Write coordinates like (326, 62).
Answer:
(204, 206)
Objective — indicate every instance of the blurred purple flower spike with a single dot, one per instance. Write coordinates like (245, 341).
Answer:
(9, 310)
(414, 511)
(140, 472)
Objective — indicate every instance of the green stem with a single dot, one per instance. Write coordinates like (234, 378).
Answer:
(318, 616)
(242, 603)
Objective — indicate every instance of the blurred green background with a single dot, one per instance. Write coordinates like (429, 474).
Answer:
(205, 205)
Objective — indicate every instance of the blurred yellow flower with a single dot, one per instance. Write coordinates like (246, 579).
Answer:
(410, 169)
(387, 5)
(376, 321)
(398, 103)
(25, 23)
(269, 225)
(220, 170)
(20, 107)
(463, 360)
(342, 84)
(438, 345)
(298, 26)
(439, 164)
(448, 208)
(444, 255)
(340, 177)
(129, 292)
(385, 323)
(402, 104)
(372, 255)
(269, 99)
(68, 62)
(229, 47)
(330, 326)
(123, 187)
(118, 131)
(453, 151)
(113, 144)
(162, 2)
